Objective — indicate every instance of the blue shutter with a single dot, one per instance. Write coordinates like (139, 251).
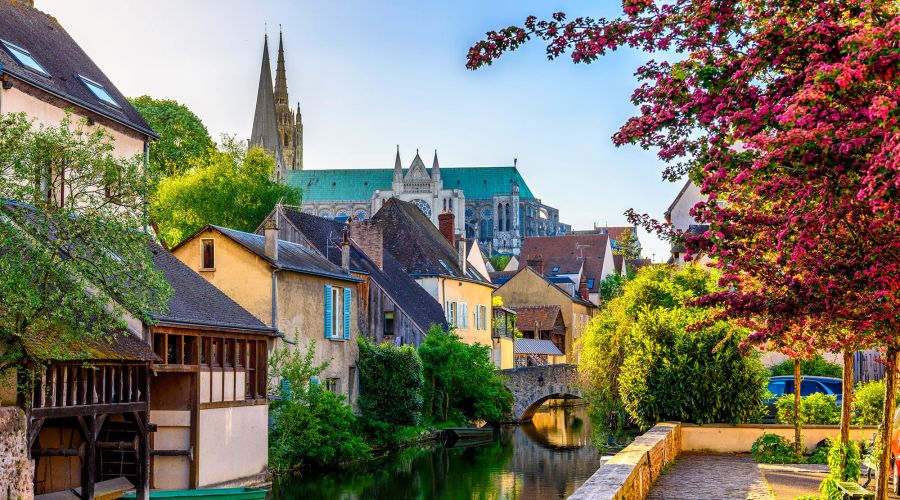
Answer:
(285, 388)
(347, 313)
(314, 381)
(329, 328)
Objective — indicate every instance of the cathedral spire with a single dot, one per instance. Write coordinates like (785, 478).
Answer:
(265, 125)
(281, 92)
(398, 167)
(435, 168)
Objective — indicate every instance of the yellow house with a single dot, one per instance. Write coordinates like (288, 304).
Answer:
(528, 288)
(440, 264)
(289, 287)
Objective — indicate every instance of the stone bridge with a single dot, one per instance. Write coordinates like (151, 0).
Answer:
(531, 386)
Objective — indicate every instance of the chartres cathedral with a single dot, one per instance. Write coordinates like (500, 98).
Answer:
(275, 126)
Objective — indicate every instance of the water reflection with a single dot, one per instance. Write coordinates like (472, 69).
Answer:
(548, 458)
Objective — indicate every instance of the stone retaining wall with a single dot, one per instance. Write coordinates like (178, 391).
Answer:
(631, 472)
(15, 468)
(723, 438)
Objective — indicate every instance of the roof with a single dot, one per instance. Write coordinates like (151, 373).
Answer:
(198, 302)
(417, 303)
(567, 253)
(501, 277)
(573, 298)
(677, 198)
(52, 345)
(536, 346)
(418, 245)
(536, 318)
(59, 54)
(618, 261)
(358, 184)
(291, 256)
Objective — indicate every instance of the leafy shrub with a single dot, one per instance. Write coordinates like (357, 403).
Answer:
(815, 366)
(461, 383)
(837, 471)
(638, 355)
(815, 409)
(819, 454)
(773, 449)
(869, 401)
(312, 426)
(390, 384)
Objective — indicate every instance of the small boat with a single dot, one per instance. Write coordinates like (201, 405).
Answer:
(453, 434)
(208, 493)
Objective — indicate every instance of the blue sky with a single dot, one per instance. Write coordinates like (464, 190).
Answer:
(370, 75)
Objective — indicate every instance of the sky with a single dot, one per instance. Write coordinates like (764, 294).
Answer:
(371, 75)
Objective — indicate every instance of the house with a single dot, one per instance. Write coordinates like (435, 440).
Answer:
(439, 263)
(528, 287)
(679, 215)
(617, 234)
(536, 352)
(541, 323)
(45, 74)
(503, 337)
(576, 263)
(290, 288)
(209, 399)
(393, 308)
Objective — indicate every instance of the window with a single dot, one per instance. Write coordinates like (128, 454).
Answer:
(446, 267)
(24, 58)
(808, 387)
(776, 387)
(337, 313)
(555, 269)
(450, 311)
(481, 317)
(464, 315)
(207, 254)
(389, 322)
(590, 283)
(99, 91)
(333, 385)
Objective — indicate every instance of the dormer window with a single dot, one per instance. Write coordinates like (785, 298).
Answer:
(555, 269)
(99, 91)
(24, 57)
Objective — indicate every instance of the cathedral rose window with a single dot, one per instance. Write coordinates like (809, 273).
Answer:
(423, 206)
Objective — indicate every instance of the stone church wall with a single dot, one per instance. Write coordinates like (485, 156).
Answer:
(16, 470)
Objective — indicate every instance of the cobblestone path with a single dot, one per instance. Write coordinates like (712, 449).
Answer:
(706, 476)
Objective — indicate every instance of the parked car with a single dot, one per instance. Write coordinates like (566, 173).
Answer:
(809, 384)
(895, 453)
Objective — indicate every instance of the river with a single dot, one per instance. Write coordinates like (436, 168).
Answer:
(545, 459)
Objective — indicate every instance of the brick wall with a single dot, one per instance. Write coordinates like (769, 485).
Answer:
(631, 472)
(15, 468)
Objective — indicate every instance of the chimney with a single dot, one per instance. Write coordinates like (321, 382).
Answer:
(583, 289)
(345, 249)
(271, 232)
(536, 262)
(369, 237)
(447, 224)
(463, 264)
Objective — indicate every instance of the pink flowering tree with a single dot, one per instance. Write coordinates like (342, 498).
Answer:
(785, 113)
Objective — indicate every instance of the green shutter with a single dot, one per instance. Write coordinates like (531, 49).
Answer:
(347, 299)
(329, 328)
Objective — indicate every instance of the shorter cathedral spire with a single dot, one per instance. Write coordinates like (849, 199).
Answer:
(398, 167)
(435, 168)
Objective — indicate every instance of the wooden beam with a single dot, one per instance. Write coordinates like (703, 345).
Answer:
(72, 411)
(89, 459)
(143, 456)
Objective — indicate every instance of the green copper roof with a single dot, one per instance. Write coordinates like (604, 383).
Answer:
(358, 184)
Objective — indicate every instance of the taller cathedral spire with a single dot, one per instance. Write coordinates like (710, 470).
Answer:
(281, 92)
(265, 125)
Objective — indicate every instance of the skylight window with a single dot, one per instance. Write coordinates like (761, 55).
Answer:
(590, 283)
(24, 57)
(441, 261)
(555, 269)
(99, 91)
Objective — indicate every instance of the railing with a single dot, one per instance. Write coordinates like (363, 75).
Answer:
(64, 385)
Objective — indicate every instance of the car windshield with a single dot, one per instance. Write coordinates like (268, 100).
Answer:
(808, 387)
(833, 385)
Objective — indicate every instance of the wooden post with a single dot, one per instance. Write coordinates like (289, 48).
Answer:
(887, 420)
(89, 462)
(797, 382)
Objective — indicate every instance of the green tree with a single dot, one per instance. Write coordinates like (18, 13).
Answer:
(628, 245)
(611, 286)
(642, 356)
(312, 426)
(72, 260)
(182, 136)
(390, 386)
(499, 262)
(817, 366)
(461, 383)
(229, 187)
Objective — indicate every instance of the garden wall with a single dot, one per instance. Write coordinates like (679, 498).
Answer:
(722, 438)
(15, 468)
(631, 472)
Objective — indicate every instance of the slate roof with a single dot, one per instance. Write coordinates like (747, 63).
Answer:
(56, 51)
(501, 277)
(418, 245)
(566, 252)
(550, 281)
(536, 318)
(421, 307)
(536, 346)
(198, 302)
(291, 256)
(477, 183)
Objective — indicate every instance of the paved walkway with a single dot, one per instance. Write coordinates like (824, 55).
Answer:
(696, 476)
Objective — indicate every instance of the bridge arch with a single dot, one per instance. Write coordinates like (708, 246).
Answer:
(532, 386)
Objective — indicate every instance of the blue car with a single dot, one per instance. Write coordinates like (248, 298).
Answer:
(784, 384)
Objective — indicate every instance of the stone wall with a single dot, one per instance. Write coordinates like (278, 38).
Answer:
(724, 438)
(532, 385)
(631, 472)
(15, 468)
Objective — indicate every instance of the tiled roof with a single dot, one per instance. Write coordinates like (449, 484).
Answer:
(566, 252)
(197, 301)
(56, 51)
(422, 308)
(51, 345)
(536, 318)
(536, 346)
(418, 245)
(358, 184)
(501, 277)
(573, 298)
(291, 256)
